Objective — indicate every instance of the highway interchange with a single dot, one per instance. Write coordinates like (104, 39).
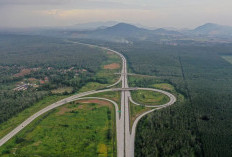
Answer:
(125, 137)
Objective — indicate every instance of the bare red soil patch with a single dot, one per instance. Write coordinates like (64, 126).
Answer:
(23, 72)
(110, 53)
(112, 66)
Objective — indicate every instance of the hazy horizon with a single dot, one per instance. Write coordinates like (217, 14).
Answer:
(169, 13)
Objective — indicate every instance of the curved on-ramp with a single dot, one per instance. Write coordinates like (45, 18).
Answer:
(172, 98)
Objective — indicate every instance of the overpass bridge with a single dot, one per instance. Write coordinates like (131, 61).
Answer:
(124, 89)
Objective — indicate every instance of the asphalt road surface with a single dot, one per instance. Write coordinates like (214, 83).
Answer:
(125, 138)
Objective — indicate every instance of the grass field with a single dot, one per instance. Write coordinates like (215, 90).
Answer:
(77, 129)
(135, 111)
(115, 96)
(149, 97)
(92, 86)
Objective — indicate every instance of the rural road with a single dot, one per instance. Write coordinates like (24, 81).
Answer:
(125, 138)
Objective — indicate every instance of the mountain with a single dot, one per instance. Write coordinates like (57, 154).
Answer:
(214, 30)
(163, 31)
(127, 33)
(91, 25)
(119, 32)
(122, 29)
(124, 32)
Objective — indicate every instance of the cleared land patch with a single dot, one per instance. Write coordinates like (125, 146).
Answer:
(23, 72)
(110, 53)
(112, 66)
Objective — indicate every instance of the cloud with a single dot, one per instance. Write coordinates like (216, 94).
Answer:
(33, 2)
(158, 13)
(86, 15)
(68, 4)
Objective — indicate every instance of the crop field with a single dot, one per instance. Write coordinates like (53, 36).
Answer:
(84, 128)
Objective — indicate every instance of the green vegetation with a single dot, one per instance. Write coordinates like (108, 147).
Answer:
(164, 86)
(114, 95)
(109, 67)
(62, 90)
(92, 86)
(10, 124)
(135, 111)
(119, 85)
(145, 97)
(138, 81)
(12, 102)
(197, 125)
(55, 69)
(47, 65)
(51, 67)
(77, 129)
(228, 58)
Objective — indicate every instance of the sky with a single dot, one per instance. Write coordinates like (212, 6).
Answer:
(151, 13)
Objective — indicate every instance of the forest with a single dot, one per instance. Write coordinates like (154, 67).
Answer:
(199, 125)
